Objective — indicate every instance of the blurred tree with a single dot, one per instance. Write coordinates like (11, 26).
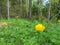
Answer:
(0, 8)
(27, 8)
(30, 8)
(8, 5)
(20, 7)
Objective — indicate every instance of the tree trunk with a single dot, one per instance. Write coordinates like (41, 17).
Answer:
(39, 9)
(20, 7)
(49, 11)
(0, 8)
(38, 1)
(30, 8)
(27, 3)
(8, 5)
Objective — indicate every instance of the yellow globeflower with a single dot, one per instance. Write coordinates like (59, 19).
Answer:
(4, 23)
(40, 27)
(58, 20)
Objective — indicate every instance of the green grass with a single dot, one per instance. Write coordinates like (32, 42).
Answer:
(22, 32)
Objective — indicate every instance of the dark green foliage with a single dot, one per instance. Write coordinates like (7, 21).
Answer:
(17, 10)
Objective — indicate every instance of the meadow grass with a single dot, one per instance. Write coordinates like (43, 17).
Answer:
(22, 32)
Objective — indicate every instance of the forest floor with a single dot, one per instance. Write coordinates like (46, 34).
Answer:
(22, 32)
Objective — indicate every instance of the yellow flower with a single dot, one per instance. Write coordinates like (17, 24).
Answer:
(40, 27)
(4, 23)
(58, 20)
